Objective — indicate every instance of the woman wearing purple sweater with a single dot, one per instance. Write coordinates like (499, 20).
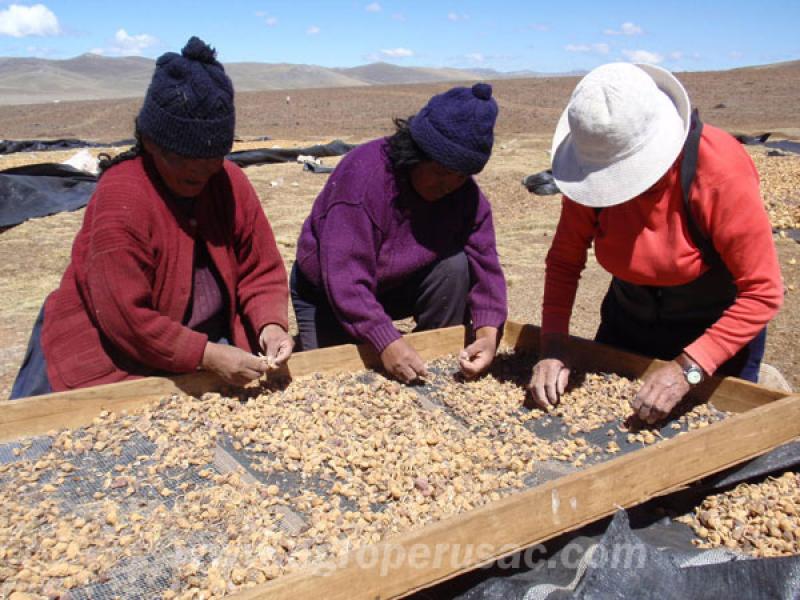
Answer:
(402, 229)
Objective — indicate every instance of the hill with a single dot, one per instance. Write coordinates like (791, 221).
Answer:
(95, 77)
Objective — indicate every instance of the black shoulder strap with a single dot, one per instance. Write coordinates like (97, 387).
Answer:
(688, 172)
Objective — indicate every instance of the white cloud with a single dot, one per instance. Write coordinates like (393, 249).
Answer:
(40, 52)
(452, 16)
(538, 27)
(131, 45)
(677, 55)
(373, 7)
(398, 17)
(588, 48)
(125, 44)
(21, 21)
(313, 30)
(627, 28)
(397, 52)
(475, 57)
(643, 56)
(736, 54)
(268, 19)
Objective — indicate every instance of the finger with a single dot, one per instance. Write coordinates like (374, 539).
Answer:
(274, 343)
(653, 404)
(254, 363)
(647, 400)
(242, 378)
(643, 393)
(537, 390)
(284, 352)
(271, 355)
(472, 350)
(552, 373)
(481, 362)
(469, 369)
(418, 366)
(263, 341)
(664, 404)
(251, 375)
(654, 415)
(469, 359)
(563, 380)
(407, 374)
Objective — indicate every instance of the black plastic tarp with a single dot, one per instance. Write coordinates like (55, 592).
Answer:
(11, 146)
(657, 562)
(784, 145)
(541, 184)
(762, 139)
(640, 554)
(45, 189)
(40, 190)
(316, 167)
(246, 158)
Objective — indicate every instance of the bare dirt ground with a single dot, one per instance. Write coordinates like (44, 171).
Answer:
(34, 255)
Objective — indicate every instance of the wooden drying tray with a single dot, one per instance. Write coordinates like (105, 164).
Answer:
(766, 419)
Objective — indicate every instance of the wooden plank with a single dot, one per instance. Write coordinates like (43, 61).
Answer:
(40, 414)
(349, 357)
(729, 393)
(437, 552)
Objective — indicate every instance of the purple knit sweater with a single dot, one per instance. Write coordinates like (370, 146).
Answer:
(369, 230)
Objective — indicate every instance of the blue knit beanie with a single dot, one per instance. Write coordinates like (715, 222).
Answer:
(456, 128)
(188, 108)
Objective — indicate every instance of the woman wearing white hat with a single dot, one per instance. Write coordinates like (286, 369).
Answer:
(674, 210)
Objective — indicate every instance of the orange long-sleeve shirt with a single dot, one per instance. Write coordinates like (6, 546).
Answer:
(646, 241)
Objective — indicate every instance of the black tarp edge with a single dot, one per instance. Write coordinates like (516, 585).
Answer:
(44, 189)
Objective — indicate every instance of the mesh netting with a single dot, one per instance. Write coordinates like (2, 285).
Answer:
(127, 472)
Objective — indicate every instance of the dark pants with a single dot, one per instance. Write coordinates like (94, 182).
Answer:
(435, 296)
(666, 340)
(32, 377)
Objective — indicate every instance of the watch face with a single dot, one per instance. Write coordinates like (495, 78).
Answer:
(694, 376)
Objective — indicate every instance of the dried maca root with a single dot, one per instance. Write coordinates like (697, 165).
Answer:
(761, 519)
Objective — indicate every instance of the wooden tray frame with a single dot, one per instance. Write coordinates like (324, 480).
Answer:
(765, 419)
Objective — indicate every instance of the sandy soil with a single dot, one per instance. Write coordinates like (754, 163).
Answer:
(33, 255)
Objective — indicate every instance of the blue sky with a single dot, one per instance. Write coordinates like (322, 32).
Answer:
(506, 35)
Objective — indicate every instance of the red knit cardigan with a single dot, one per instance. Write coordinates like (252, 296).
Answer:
(117, 313)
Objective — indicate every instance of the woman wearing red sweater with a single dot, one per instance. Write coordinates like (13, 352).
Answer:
(675, 214)
(175, 267)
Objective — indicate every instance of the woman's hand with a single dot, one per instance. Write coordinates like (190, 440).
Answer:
(550, 374)
(232, 364)
(476, 358)
(662, 390)
(402, 362)
(276, 344)
(549, 380)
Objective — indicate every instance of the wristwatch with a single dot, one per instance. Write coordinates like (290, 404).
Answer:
(691, 371)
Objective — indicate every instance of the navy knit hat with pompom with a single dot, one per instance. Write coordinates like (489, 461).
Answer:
(188, 108)
(456, 128)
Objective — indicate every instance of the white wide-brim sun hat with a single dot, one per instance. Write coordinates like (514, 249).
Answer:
(623, 128)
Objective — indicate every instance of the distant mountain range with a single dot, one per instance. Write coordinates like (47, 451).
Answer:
(94, 77)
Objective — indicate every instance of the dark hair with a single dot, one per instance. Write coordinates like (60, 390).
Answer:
(403, 151)
(106, 161)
